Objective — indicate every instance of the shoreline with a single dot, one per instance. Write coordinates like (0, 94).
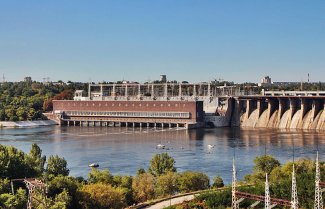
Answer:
(23, 124)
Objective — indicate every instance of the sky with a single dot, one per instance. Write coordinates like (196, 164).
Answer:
(138, 40)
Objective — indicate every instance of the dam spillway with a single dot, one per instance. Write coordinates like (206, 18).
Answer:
(287, 112)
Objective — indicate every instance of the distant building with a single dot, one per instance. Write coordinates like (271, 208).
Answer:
(163, 78)
(266, 81)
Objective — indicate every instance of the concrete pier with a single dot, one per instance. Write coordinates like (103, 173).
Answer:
(303, 111)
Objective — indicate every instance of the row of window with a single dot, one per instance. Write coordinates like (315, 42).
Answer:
(126, 104)
(131, 114)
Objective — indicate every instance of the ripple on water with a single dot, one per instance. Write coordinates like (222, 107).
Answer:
(125, 150)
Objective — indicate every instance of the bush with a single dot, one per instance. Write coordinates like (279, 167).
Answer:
(193, 181)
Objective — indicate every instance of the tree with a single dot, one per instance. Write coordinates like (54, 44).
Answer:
(69, 184)
(143, 187)
(13, 163)
(101, 196)
(57, 166)
(167, 184)
(193, 181)
(16, 201)
(265, 163)
(36, 160)
(4, 186)
(218, 182)
(21, 113)
(123, 181)
(61, 201)
(140, 171)
(161, 164)
(97, 176)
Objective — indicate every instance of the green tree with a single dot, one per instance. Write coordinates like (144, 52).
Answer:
(167, 184)
(161, 164)
(140, 171)
(59, 184)
(36, 160)
(123, 181)
(21, 113)
(265, 163)
(101, 196)
(143, 187)
(13, 163)
(57, 166)
(4, 186)
(193, 181)
(2, 114)
(61, 201)
(17, 201)
(218, 182)
(97, 176)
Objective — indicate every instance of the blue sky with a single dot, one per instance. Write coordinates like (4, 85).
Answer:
(193, 40)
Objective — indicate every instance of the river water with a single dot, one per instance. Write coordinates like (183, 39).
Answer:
(124, 150)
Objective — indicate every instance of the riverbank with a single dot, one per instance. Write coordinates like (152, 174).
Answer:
(20, 124)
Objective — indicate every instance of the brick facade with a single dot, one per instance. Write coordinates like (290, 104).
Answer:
(195, 108)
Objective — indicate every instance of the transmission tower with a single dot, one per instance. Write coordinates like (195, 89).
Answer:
(267, 194)
(318, 192)
(234, 201)
(294, 195)
(33, 185)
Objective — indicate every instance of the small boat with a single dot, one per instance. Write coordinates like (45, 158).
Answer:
(210, 146)
(160, 146)
(93, 165)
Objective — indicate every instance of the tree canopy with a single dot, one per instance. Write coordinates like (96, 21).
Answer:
(161, 164)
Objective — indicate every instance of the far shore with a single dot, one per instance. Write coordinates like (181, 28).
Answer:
(22, 124)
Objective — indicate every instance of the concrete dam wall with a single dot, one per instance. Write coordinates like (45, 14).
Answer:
(287, 112)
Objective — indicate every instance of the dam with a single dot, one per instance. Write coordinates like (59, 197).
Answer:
(285, 110)
(190, 106)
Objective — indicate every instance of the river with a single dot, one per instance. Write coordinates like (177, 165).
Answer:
(124, 150)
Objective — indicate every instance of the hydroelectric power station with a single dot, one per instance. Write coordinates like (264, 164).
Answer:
(189, 106)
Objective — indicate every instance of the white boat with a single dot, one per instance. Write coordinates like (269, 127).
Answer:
(160, 146)
(210, 146)
(93, 165)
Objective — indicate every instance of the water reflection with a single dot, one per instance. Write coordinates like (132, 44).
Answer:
(123, 150)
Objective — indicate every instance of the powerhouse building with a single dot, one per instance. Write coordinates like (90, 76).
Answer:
(187, 114)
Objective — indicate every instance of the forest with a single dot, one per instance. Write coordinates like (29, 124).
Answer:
(23, 100)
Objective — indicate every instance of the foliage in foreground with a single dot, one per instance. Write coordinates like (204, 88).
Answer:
(280, 184)
(103, 190)
(100, 190)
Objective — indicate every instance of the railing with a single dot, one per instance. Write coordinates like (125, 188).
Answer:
(129, 114)
(293, 93)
